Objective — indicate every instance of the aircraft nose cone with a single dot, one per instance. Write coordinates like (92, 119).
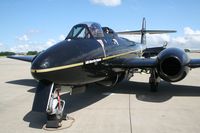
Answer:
(41, 62)
(47, 59)
(45, 64)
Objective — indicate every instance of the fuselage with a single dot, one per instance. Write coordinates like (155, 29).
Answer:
(79, 61)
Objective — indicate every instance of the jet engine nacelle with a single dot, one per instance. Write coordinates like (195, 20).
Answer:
(172, 64)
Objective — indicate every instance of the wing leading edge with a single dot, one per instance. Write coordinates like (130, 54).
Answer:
(145, 63)
(194, 63)
(134, 63)
(23, 58)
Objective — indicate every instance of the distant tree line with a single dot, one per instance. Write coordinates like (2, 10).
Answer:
(13, 53)
(31, 53)
(7, 53)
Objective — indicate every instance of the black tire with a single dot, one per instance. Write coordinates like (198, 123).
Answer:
(54, 117)
(58, 117)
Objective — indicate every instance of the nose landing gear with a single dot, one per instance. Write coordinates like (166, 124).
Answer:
(55, 108)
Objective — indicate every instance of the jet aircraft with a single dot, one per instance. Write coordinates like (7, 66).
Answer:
(94, 54)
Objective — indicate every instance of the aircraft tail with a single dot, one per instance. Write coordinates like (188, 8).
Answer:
(143, 32)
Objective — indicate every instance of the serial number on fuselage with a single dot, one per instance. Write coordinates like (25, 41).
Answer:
(93, 61)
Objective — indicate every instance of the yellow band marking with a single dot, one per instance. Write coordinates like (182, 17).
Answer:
(56, 68)
(74, 65)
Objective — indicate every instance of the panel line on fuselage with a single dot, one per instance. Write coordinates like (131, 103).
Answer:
(77, 64)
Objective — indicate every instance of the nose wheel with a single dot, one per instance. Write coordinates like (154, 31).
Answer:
(55, 108)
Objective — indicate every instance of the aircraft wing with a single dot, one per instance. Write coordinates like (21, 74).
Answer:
(144, 63)
(139, 32)
(134, 63)
(28, 58)
(194, 63)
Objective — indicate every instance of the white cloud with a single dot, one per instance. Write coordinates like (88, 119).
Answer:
(28, 35)
(1, 47)
(50, 42)
(190, 31)
(27, 47)
(20, 48)
(107, 2)
(62, 37)
(32, 46)
(190, 39)
(23, 38)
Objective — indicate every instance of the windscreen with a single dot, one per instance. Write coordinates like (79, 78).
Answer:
(79, 31)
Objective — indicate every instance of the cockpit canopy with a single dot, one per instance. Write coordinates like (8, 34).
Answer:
(86, 31)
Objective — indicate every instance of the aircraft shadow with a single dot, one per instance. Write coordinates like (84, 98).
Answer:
(25, 82)
(139, 89)
(165, 91)
(73, 103)
(95, 93)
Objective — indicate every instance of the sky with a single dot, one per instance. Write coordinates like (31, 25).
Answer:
(38, 24)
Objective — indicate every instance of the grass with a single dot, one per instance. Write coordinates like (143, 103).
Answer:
(2, 56)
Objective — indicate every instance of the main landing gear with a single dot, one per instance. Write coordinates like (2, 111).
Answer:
(154, 80)
(55, 108)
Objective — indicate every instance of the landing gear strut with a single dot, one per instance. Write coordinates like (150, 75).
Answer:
(154, 80)
(55, 108)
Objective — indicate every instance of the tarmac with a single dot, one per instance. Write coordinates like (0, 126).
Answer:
(129, 107)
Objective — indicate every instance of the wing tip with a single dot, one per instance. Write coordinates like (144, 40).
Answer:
(22, 58)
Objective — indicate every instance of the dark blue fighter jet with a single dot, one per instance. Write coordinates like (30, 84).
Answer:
(94, 54)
